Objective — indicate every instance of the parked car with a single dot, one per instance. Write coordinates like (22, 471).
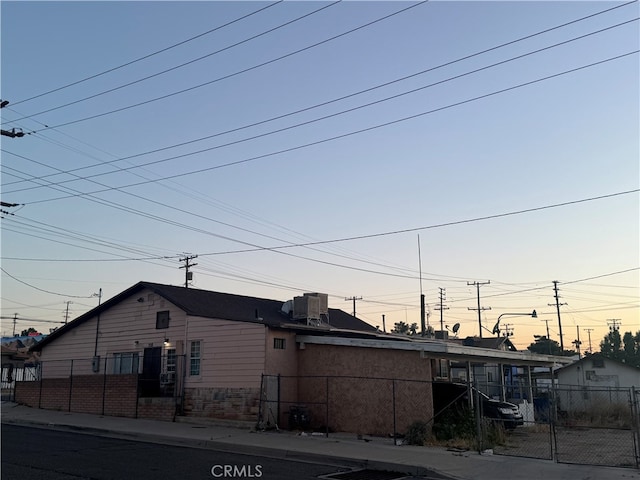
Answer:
(450, 395)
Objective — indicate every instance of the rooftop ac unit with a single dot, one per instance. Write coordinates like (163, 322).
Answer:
(305, 308)
(324, 301)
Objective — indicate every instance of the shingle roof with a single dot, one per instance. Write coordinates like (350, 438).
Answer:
(208, 304)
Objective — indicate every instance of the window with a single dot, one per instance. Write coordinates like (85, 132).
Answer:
(489, 377)
(279, 343)
(125, 363)
(590, 374)
(194, 358)
(597, 362)
(162, 319)
(170, 366)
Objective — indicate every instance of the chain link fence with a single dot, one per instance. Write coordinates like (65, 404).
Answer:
(126, 384)
(564, 424)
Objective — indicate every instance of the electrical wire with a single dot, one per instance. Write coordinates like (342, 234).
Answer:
(179, 66)
(377, 86)
(329, 139)
(149, 55)
(40, 289)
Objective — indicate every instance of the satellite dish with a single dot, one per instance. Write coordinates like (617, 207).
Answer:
(456, 327)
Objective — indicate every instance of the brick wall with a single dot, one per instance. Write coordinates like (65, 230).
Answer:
(365, 385)
(222, 403)
(114, 395)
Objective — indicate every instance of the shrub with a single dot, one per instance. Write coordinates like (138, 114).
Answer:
(417, 433)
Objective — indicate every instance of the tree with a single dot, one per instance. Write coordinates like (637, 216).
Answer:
(624, 349)
(405, 329)
(26, 332)
(546, 346)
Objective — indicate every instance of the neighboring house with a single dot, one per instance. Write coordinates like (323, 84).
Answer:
(157, 350)
(488, 376)
(595, 378)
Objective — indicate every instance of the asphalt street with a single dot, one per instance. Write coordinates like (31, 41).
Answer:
(35, 453)
(30, 453)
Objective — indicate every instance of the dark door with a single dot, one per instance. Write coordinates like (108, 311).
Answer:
(151, 369)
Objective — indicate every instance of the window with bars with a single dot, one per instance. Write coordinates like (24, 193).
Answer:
(279, 343)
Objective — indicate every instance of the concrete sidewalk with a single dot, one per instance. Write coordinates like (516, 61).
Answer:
(339, 449)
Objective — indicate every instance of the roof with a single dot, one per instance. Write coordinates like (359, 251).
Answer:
(208, 304)
(598, 355)
(496, 343)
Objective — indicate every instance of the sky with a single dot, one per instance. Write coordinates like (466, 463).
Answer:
(373, 150)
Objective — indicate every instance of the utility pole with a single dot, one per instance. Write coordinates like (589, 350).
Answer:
(384, 326)
(15, 319)
(442, 307)
(354, 303)
(188, 276)
(10, 133)
(614, 324)
(508, 331)
(547, 323)
(479, 309)
(577, 341)
(558, 304)
(423, 312)
(589, 330)
(66, 313)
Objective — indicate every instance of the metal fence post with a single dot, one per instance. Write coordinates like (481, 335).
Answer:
(393, 393)
(635, 422)
(70, 385)
(476, 397)
(327, 408)
(260, 423)
(278, 404)
(104, 383)
(41, 380)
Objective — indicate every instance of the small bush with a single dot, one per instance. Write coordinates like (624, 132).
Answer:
(417, 433)
(455, 424)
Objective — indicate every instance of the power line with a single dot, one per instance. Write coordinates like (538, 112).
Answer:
(181, 65)
(329, 139)
(40, 289)
(315, 106)
(148, 55)
(397, 232)
(241, 71)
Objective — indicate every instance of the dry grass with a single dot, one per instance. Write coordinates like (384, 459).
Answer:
(617, 415)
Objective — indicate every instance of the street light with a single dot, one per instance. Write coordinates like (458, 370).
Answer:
(496, 327)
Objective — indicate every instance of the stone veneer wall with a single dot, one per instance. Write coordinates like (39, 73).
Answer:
(222, 403)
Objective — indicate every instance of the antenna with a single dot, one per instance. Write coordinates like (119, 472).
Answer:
(422, 309)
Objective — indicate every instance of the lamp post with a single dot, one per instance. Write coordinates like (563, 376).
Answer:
(496, 327)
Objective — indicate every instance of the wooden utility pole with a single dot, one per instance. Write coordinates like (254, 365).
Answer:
(188, 276)
(354, 303)
(479, 309)
(589, 330)
(558, 304)
(442, 307)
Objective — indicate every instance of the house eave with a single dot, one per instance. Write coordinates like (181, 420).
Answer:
(439, 349)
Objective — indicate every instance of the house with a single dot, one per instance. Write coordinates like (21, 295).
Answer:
(494, 379)
(159, 351)
(595, 378)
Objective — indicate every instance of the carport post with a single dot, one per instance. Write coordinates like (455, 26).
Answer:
(502, 388)
(530, 384)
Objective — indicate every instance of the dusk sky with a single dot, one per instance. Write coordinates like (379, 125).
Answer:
(312, 146)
